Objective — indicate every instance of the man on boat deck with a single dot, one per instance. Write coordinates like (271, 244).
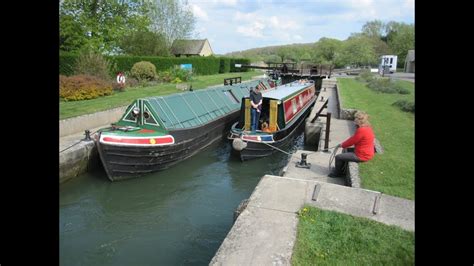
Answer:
(256, 102)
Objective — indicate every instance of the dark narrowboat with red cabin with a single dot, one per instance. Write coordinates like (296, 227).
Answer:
(284, 110)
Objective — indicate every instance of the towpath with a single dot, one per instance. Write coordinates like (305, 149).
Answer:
(265, 232)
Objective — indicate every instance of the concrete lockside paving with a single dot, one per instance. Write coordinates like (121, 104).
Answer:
(265, 232)
(77, 155)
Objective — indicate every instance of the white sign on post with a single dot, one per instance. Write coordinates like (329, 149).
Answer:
(121, 78)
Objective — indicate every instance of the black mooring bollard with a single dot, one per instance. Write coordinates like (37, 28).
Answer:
(88, 135)
(303, 163)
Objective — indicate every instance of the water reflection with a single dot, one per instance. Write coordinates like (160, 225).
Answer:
(178, 216)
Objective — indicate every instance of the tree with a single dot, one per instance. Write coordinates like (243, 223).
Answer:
(272, 59)
(380, 47)
(71, 35)
(357, 51)
(374, 29)
(306, 56)
(286, 54)
(144, 43)
(98, 25)
(326, 51)
(172, 18)
(401, 39)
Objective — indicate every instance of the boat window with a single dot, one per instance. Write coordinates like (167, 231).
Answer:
(231, 96)
(301, 100)
(130, 115)
(149, 119)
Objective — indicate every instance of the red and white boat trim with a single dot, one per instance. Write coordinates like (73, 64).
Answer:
(137, 141)
(258, 138)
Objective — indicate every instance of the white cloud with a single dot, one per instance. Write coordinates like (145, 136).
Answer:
(283, 24)
(239, 16)
(199, 12)
(253, 30)
(252, 25)
(226, 2)
(362, 3)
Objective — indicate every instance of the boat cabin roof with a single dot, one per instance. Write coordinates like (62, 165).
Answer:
(283, 91)
(195, 108)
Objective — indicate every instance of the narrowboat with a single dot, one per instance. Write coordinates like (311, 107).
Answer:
(284, 110)
(155, 133)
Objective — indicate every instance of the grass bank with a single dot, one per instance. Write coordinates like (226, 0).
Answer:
(76, 108)
(331, 238)
(392, 172)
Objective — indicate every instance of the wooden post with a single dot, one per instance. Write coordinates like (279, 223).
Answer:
(273, 115)
(247, 114)
(328, 127)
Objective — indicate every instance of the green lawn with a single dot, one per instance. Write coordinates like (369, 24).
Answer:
(393, 171)
(331, 238)
(76, 108)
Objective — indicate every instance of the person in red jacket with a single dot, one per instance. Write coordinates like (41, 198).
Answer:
(363, 142)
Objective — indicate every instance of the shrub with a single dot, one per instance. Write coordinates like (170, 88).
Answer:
(365, 76)
(131, 82)
(164, 76)
(182, 74)
(82, 87)
(405, 105)
(143, 71)
(385, 85)
(176, 80)
(93, 64)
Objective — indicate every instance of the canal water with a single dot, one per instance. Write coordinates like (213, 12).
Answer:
(179, 216)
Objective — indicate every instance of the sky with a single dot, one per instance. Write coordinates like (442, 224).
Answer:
(236, 25)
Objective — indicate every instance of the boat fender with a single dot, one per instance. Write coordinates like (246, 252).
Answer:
(239, 144)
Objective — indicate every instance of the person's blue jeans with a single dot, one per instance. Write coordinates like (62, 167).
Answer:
(255, 118)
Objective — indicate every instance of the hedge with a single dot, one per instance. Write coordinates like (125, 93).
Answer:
(225, 65)
(242, 61)
(201, 65)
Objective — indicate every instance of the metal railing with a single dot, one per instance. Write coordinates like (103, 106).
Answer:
(230, 81)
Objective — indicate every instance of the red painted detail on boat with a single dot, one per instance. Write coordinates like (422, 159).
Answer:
(291, 110)
(153, 140)
(146, 131)
(254, 138)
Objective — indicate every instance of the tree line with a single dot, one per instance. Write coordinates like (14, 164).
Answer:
(132, 27)
(360, 49)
